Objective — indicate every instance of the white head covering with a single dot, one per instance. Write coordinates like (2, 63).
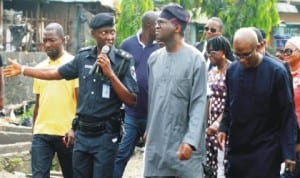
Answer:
(295, 41)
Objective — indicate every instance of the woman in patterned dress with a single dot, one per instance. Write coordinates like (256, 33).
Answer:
(218, 51)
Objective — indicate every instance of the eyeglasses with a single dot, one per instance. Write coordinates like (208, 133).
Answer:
(211, 53)
(244, 55)
(212, 30)
(160, 22)
(288, 51)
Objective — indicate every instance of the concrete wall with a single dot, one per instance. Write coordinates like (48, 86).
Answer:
(15, 143)
(19, 89)
(290, 17)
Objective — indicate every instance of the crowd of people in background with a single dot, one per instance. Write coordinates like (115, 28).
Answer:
(214, 109)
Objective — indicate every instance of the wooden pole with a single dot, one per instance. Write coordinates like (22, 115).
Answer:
(1, 23)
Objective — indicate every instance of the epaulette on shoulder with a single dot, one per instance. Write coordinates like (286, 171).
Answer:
(85, 49)
(123, 54)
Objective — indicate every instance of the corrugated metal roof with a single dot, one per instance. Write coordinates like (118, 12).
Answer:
(103, 2)
(74, 0)
(287, 8)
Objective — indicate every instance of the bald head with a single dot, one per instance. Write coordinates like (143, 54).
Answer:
(245, 45)
(57, 28)
(245, 37)
(149, 18)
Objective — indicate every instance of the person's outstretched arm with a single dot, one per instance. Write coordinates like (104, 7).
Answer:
(15, 69)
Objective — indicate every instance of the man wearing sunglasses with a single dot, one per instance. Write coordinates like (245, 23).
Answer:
(213, 27)
(257, 114)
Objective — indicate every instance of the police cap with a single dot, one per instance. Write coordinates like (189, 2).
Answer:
(173, 10)
(102, 20)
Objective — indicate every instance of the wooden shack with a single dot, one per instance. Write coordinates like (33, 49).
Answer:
(73, 15)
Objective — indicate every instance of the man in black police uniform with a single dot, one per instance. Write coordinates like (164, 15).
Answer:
(100, 97)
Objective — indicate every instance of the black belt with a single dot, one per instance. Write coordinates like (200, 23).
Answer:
(91, 127)
(91, 124)
(91, 119)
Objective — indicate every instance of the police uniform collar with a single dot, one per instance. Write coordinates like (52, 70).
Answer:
(93, 53)
(111, 55)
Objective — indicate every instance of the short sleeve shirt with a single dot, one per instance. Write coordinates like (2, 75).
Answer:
(57, 100)
(96, 97)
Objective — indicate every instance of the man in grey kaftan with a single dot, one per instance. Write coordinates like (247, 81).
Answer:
(177, 100)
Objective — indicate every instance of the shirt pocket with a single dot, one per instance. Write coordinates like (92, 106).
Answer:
(182, 88)
(90, 82)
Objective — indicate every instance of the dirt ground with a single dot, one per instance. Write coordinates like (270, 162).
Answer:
(134, 168)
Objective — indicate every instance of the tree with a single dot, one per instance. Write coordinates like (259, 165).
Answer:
(129, 20)
(187, 4)
(243, 13)
(190, 5)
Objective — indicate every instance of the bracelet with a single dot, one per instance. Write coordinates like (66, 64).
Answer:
(216, 124)
(22, 69)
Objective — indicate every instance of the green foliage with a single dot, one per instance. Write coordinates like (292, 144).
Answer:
(91, 42)
(130, 17)
(187, 4)
(26, 117)
(55, 164)
(2, 163)
(234, 13)
(243, 13)
(10, 164)
(28, 113)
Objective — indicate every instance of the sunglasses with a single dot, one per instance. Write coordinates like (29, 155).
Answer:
(212, 30)
(288, 51)
(244, 55)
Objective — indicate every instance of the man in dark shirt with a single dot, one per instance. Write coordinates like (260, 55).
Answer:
(101, 94)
